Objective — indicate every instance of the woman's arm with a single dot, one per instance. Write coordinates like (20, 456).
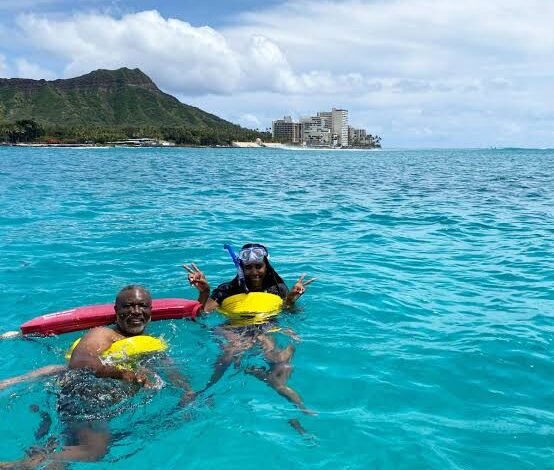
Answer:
(197, 279)
(211, 305)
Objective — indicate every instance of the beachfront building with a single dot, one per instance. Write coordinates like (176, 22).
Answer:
(286, 131)
(360, 138)
(337, 120)
(316, 131)
(357, 136)
(326, 129)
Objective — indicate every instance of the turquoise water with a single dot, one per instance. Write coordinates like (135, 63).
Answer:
(426, 341)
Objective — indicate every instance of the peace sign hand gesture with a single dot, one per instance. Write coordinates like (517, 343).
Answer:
(196, 277)
(300, 287)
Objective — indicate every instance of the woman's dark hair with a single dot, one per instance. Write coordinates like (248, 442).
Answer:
(253, 245)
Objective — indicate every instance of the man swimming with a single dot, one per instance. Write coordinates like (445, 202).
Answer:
(90, 383)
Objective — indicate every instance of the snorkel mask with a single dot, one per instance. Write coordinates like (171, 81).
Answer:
(253, 254)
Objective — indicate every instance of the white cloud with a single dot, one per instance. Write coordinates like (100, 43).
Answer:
(265, 67)
(408, 37)
(3, 66)
(250, 120)
(421, 71)
(308, 47)
(177, 55)
(26, 69)
(182, 58)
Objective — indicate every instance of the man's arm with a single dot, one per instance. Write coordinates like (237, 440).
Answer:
(88, 355)
(43, 371)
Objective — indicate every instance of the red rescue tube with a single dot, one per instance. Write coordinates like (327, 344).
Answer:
(82, 318)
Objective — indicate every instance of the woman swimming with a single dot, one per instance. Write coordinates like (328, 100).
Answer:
(255, 274)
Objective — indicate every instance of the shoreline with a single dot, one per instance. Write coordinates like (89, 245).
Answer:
(42, 145)
(237, 145)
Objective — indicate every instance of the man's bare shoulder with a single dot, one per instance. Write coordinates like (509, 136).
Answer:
(102, 333)
(96, 341)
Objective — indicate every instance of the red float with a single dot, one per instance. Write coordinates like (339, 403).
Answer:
(82, 318)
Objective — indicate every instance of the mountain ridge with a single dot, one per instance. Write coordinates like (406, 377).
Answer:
(109, 98)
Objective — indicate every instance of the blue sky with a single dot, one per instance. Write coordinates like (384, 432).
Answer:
(419, 73)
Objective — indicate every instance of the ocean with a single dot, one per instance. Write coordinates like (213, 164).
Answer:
(425, 342)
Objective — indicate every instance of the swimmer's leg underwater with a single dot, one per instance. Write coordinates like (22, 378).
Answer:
(233, 350)
(280, 370)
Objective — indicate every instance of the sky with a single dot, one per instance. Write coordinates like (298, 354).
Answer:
(418, 73)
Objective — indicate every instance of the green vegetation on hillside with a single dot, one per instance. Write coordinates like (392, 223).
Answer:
(28, 131)
(104, 106)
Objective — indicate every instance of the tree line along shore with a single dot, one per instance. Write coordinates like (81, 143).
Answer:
(28, 131)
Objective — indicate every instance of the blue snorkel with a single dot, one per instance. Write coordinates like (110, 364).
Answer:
(240, 272)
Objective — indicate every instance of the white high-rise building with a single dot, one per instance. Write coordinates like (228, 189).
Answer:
(326, 129)
(338, 125)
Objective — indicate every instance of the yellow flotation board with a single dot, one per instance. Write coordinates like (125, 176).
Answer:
(129, 349)
(251, 309)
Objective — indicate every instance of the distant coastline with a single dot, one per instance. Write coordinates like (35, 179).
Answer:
(125, 108)
(105, 145)
(108, 107)
(237, 144)
(131, 144)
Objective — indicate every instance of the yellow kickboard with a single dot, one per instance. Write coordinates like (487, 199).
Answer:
(129, 347)
(252, 308)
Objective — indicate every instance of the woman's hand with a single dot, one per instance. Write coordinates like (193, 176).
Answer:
(297, 290)
(300, 287)
(196, 278)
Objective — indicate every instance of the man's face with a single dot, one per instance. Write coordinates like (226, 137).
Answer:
(133, 309)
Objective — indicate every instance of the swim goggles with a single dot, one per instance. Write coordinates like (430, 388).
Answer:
(252, 255)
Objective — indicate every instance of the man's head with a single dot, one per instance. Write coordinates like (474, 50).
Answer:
(133, 309)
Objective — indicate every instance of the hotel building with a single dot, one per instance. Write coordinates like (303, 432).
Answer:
(326, 129)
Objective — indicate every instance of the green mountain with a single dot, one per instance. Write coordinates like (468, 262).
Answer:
(103, 98)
